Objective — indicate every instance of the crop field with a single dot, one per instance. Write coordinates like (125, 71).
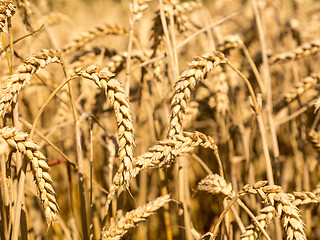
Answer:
(159, 119)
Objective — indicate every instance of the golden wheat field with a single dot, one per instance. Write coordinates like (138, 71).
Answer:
(159, 119)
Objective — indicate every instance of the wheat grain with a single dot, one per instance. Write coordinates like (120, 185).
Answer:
(265, 217)
(229, 43)
(304, 198)
(25, 8)
(137, 8)
(181, 20)
(302, 87)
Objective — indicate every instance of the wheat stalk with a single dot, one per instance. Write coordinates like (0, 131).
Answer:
(21, 142)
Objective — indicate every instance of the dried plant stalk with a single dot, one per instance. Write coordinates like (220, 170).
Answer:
(133, 218)
(21, 142)
(39, 60)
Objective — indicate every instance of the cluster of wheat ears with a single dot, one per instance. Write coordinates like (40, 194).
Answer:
(102, 128)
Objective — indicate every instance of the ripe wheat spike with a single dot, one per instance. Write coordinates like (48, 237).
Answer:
(186, 83)
(21, 142)
(17, 81)
(133, 218)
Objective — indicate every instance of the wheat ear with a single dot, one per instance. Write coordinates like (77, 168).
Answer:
(97, 31)
(214, 184)
(304, 50)
(230, 42)
(267, 213)
(283, 206)
(314, 139)
(23, 74)
(164, 153)
(181, 20)
(264, 217)
(133, 218)
(115, 93)
(298, 90)
(304, 198)
(186, 83)
(21, 142)
(7, 10)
